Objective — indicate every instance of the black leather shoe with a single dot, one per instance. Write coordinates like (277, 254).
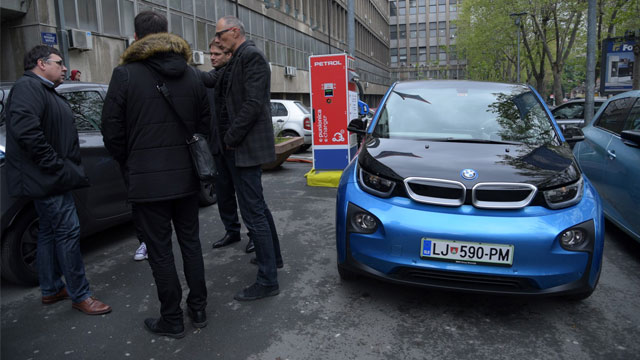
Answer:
(254, 261)
(198, 318)
(228, 238)
(250, 247)
(257, 291)
(159, 327)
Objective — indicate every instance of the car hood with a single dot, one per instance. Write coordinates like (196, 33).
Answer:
(544, 166)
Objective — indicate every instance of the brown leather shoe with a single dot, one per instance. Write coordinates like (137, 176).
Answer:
(61, 295)
(92, 306)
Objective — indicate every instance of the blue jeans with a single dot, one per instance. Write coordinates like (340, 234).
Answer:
(59, 249)
(258, 220)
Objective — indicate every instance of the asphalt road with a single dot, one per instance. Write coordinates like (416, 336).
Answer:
(316, 316)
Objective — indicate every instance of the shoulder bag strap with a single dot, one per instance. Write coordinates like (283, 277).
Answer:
(166, 94)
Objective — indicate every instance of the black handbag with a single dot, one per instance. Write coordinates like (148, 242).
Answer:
(198, 147)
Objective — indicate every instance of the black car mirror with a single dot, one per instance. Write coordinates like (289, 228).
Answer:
(357, 126)
(631, 138)
(573, 134)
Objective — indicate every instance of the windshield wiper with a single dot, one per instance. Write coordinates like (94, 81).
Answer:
(411, 96)
(478, 141)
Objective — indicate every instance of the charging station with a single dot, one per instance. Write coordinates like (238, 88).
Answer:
(334, 102)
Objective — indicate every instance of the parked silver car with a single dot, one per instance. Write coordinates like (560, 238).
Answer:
(572, 113)
(292, 118)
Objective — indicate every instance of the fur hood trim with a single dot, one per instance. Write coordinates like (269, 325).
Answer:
(153, 44)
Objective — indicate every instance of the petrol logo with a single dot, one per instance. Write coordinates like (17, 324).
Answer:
(469, 174)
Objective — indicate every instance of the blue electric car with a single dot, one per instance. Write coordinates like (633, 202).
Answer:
(470, 186)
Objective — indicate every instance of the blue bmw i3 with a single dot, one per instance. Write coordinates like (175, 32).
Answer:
(469, 186)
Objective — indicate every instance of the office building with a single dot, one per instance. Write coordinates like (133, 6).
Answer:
(423, 40)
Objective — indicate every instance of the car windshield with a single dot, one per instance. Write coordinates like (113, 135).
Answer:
(476, 114)
(302, 107)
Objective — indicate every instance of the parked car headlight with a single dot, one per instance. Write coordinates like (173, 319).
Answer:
(375, 184)
(360, 220)
(565, 196)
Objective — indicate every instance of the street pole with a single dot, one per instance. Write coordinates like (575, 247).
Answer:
(590, 85)
(518, 65)
(516, 20)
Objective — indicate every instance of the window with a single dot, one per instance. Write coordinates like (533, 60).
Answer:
(278, 109)
(453, 55)
(413, 33)
(394, 55)
(633, 121)
(433, 53)
(613, 117)
(452, 30)
(442, 28)
(433, 29)
(413, 55)
(87, 109)
(81, 14)
(393, 32)
(422, 30)
(392, 8)
(423, 54)
(403, 31)
(402, 54)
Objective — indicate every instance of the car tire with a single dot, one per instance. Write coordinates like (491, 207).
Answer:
(207, 195)
(347, 275)
(304, 148)
(19, 249)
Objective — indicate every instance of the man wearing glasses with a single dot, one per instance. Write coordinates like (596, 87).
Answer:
(43, 163)
(247, 144)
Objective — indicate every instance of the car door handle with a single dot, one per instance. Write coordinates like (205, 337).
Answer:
(612, 154)
(280, 120)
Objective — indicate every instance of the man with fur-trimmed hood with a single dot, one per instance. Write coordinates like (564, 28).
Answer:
(148, 139)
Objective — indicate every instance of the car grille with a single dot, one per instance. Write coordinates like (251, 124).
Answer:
(483, 195)
(449, 279)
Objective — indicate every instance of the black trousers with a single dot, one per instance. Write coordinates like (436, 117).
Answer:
(155, 219)
(226, 192)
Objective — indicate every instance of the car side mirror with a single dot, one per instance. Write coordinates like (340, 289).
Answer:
(357, 126)
(573, 134)
(631, 138)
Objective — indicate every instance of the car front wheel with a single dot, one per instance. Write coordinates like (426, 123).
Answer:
(19, 249)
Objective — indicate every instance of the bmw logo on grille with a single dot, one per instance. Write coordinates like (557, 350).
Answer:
(469, 174)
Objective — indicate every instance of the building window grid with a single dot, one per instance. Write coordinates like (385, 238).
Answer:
(198, 26)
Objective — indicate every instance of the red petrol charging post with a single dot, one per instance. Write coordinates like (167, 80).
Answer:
(334, 100)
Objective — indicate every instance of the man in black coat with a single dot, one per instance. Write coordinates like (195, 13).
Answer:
(43, 163)
(148, 138)
(227, 204)
(247, 144)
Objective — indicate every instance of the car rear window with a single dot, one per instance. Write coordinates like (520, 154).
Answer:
(513, 115)
(302, 107)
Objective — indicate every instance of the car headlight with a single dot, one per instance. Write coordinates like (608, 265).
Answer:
(360, 220)
(565, 196)
(375, 184)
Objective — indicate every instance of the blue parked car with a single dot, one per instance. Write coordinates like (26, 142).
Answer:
(471, 186)
(610, 158)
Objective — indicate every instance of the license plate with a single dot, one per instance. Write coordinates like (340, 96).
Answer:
(466, 252)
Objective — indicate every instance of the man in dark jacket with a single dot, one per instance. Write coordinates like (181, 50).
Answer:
(227, 204)
(43, 163)
(249, 143)
(148, 138)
